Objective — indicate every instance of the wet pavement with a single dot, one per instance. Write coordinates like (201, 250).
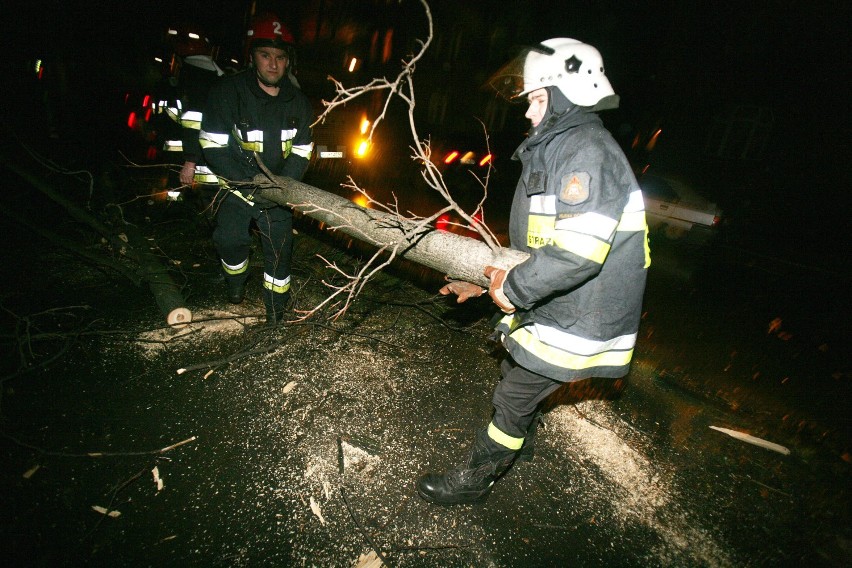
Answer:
(299, 446)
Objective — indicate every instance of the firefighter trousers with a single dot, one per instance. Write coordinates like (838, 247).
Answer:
(233, 238)
(517, 398)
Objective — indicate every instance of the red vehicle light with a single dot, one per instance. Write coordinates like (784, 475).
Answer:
(485, 160)
(146, 100)
(451, 157)
(131, 120)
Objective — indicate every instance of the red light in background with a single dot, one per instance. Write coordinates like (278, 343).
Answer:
(442, 223)
(131, 120)
(148, 114)
(151, 153)
(485, 160)
(146, 100)
(451, 156)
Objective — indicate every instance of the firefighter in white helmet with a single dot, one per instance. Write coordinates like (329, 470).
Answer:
(571, 310)
(257, 113)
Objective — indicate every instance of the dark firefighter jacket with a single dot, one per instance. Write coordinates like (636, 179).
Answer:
(197, 76)
(240, 119)
(578, 211)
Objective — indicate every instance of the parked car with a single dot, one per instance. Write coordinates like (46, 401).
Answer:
(675, 209)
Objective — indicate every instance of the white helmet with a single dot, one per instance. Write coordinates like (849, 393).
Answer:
(572, 66)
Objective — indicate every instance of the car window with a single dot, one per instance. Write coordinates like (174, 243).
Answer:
(658, 188)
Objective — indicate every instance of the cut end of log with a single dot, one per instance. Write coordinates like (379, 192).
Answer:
(179, 317)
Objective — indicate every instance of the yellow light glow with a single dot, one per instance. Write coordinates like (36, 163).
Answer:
(361, 200)
(193, 35)
(365, 124)
(352, 64)
(363, 148)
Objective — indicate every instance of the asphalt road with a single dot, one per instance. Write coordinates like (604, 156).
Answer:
(305, 451)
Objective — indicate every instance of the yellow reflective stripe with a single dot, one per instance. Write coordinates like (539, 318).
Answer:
(212, 139)
(634, 221)
(251, 140)
(173, 113)
(235, 269)
(173, 146)
(582, 245)
(539, 230)
(276, 285)
(564, 359)
(193, 124)
(503, 438)
(286, 146)
(647, 249)
(304, 150)
(236, 193)
(288, 134)
(252, 146)
(204, 175)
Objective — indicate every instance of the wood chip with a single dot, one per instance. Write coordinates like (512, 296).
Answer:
(105, 511)
(316, 510)
(29, 473)
(748, 438)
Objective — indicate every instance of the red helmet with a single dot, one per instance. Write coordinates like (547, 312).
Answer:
(269, 31)
(189, 40)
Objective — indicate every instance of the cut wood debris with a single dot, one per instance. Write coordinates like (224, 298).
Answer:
(316, 510)
(748, 438)
(105, 511)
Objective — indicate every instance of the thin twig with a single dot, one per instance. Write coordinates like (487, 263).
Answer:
(362, 530)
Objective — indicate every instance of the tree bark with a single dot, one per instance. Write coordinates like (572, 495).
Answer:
(459, 257)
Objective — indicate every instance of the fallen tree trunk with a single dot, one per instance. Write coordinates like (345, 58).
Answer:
(459, 257)
(151, 269)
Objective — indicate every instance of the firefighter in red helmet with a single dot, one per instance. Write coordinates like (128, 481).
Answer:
(256, 113)
(193, 70)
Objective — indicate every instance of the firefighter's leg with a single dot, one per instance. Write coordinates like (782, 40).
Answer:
(233, 243)
(276, 227)
(516, 400)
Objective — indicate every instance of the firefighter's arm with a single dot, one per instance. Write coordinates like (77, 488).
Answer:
(215, 136)
(302, 147)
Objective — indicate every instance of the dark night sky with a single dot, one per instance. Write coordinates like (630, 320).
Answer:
(791, 55)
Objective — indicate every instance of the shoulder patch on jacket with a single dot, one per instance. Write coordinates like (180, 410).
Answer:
(575, 188)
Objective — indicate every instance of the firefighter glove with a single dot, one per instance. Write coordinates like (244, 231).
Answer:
(495, 290)
(464, 290)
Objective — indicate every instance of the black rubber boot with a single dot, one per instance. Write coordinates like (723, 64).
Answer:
(236, 288)
(528, 449)
(472, 482)
(277, 306)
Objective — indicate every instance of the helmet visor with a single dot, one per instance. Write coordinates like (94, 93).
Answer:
(508, 81)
